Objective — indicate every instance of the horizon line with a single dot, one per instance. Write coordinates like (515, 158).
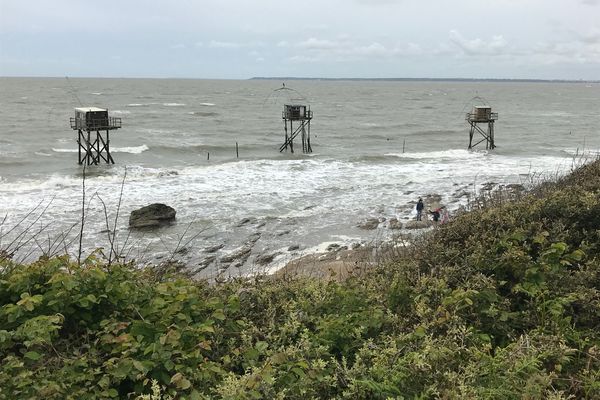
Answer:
(388, 79)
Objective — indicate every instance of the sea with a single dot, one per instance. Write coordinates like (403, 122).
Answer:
(210, 150)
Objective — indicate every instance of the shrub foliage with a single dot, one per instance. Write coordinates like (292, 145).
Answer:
(502, 303)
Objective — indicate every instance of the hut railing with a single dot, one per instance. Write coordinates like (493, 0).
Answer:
(99, 124)
(296, 116)
(481, 118)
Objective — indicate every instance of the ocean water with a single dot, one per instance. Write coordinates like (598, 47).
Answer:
(377, 147)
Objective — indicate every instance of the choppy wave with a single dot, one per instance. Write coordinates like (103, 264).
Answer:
(579, 152)
(132, 150)
(204, 113)
(207, 104)
(173, 104)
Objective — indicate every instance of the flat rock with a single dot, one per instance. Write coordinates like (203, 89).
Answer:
(214, 249)
(265, 259)
(240, 255)
(395, 224)
(369, 224)
(152, 216)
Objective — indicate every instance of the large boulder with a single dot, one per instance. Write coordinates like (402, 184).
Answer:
(151, 216)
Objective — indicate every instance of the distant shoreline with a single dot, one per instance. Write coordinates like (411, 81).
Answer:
(296, 78)
(501, 80)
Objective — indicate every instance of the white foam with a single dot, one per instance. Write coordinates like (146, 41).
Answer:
(173, 104)
(443, 154)
(132, 150)
(207, 104)
(314, 197)
(121, 112)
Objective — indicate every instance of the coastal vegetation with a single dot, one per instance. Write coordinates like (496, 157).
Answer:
(501, 303)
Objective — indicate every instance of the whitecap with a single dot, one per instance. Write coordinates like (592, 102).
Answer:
(132, 150)
(173, 104)
(445, 154)
(207, 104)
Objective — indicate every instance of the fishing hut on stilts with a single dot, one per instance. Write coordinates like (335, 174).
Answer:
(482, 115)
(93, 126)
(303, 116)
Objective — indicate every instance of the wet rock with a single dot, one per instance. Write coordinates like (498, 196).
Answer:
(239, 256)
(168, 173)
(205, 263)
(265, 259)
(262, 224)
(283, 233)
(294, 247)
(333, 247)
(214, 249)
(152, 216)
(356, 245)
(395, 224)
(253, 238)
(369, 224)
(245, 221)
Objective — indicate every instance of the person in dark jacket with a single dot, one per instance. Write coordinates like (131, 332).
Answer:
(419, 207)
(435, 215)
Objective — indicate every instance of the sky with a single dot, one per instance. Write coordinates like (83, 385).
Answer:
(239, 39)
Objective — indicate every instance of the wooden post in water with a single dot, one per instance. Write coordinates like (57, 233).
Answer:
(403, 145)
(237, 153)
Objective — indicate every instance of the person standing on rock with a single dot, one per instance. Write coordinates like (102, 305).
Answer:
(419, 208)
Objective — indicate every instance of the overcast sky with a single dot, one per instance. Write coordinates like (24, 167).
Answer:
(544, 39)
